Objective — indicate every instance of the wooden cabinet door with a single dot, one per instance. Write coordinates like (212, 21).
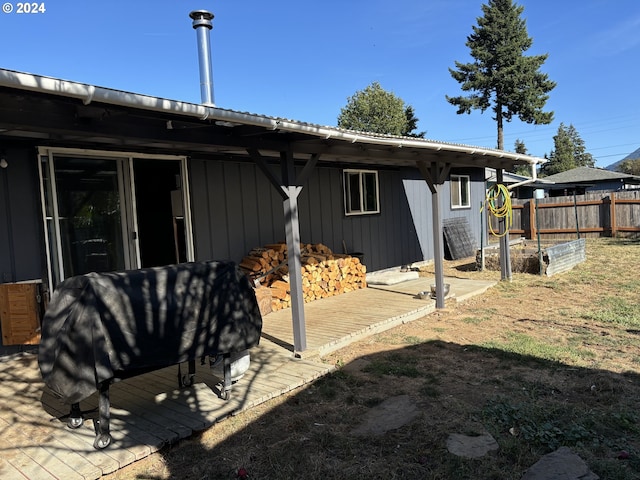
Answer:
(20, 313)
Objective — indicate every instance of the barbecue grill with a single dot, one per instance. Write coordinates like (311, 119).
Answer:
(103, 327)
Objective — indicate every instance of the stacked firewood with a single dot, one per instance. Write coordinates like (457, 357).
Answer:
(324, 273)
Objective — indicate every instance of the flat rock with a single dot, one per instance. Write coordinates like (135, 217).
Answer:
(391, 414)
(469, 446)
(391, 277)
(562, 464)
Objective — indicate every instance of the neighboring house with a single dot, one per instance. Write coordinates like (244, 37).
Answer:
(508, 178)
(586, 179)
(520, 186)
(95, 179)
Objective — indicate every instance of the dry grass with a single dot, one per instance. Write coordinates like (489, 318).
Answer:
(539, 363)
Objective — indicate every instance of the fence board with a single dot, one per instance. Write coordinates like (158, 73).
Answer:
(592, 214)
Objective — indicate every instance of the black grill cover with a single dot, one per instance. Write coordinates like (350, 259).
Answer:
(104, 326)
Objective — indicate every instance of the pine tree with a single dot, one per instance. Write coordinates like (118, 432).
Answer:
(502, 77)
(520, 147)
(412, 124)
(581, 156)
(561, 157)
(569, 152)
(523, 170)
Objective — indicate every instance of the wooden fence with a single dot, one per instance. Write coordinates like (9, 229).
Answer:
(600, 214)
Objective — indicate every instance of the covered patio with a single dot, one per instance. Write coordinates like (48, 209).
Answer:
(150, 412)
(59, 112)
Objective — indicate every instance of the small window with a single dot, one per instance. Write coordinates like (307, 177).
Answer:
(361, 192)
(460, 191)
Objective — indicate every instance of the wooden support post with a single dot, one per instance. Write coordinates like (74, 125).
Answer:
(435, 175)
(438, 245)
(505, 254)
(292, 230)
(289, 189)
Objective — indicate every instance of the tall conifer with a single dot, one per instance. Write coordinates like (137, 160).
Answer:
(568, 152)
(502, 77)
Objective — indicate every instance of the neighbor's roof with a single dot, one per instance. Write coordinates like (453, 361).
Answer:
(590, 175)
(509, 178)
(170, 124)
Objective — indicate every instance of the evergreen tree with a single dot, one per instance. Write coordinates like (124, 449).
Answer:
(630, 166)
(376, 110)
(561, 157)
(569, 152)
(502, 77)
(582, 157)
(524, 170)
(412, 124)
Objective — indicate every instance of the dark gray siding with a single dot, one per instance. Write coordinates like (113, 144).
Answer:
(472, 214)
(389, 238)
(21, 243)
(419, 200)
(235, 208)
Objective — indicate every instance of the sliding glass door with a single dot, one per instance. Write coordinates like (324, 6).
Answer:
(95, 220)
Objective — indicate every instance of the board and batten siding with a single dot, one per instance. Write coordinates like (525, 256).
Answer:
(235, 208)
(477, 220)
(21, 240)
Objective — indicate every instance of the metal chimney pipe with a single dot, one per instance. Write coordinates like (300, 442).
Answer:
(202, 25)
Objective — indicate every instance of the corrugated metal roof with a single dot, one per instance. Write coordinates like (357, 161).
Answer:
(332, 142)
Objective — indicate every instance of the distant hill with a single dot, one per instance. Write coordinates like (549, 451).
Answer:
(631, 156)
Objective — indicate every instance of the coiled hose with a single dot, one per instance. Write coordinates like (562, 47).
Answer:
(498, 203)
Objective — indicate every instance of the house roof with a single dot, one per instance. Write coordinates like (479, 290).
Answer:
(61, 112)
(591, 175)
(511, 178)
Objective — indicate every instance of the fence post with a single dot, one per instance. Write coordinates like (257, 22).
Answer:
(575, 212)
(482, 236)
(612, 213)
(538, 193)
(532, 220)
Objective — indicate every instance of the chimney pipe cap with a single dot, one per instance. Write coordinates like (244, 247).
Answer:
(201, 18)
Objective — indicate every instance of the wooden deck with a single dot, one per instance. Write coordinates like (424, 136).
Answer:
(149, 411)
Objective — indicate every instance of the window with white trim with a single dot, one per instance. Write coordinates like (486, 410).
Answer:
(460, 191)
(361, 192)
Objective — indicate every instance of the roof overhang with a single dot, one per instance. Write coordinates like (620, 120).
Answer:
(61, 112)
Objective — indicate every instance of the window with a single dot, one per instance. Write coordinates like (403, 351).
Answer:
(361, 192)
(460, 191)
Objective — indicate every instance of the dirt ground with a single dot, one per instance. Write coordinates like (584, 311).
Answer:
(538, 362)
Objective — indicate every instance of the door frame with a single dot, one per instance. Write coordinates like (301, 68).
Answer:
(127, 191)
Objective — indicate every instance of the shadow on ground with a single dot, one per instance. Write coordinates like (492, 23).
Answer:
(530, 406)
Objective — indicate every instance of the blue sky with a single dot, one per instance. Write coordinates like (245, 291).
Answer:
(302, 60)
